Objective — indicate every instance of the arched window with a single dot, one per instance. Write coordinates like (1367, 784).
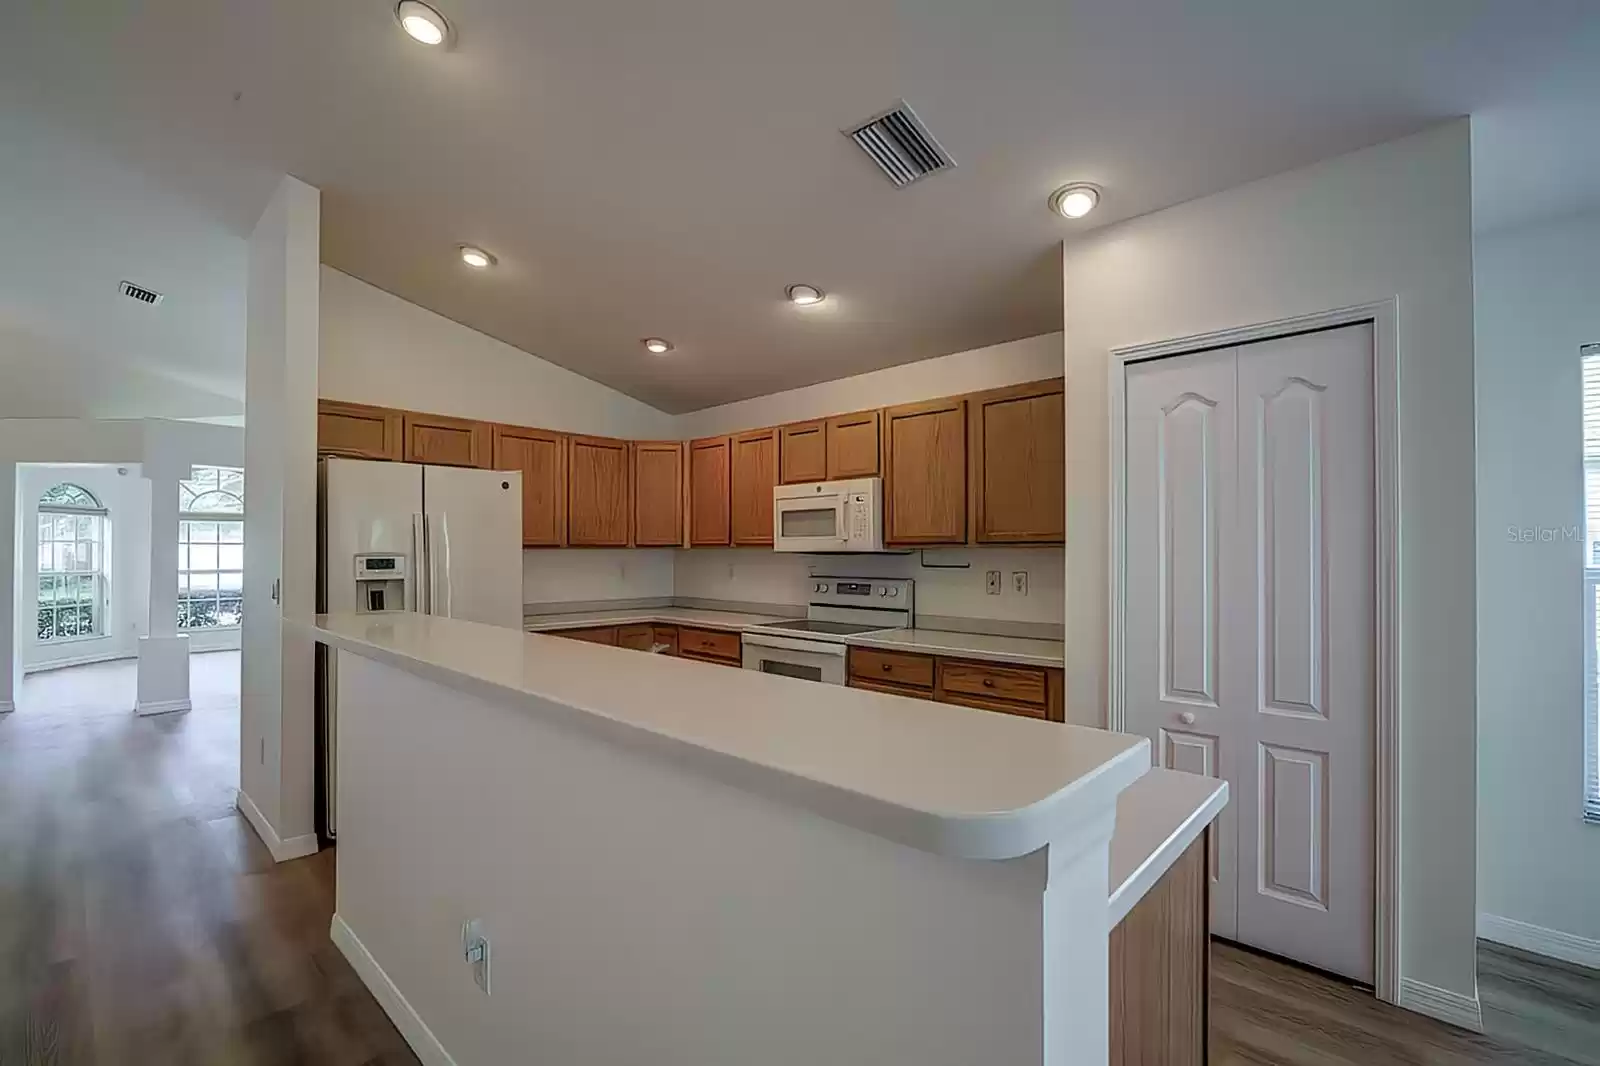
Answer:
(72, 564)
(211, 548)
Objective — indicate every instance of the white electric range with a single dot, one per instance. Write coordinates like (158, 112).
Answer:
(813, 647)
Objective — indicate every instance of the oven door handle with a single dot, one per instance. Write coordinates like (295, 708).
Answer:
(766, 640)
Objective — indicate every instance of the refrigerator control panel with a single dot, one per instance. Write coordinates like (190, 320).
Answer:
(380, 583)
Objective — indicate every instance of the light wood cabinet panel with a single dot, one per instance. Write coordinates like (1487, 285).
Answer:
(1160, 969)
(892, 667)
(1017, 439)
(444, 441)
(987, 703)
(708, 491)
(635, 638)
(598, 492)
(804, 452)
(541, 456)
(888, 688)
(1017, 684)
(658, 494)
(709, 644)
(593, 634)
(754, 471)
(667, 635)
(853, 445)
(925, 473)
(357, 431)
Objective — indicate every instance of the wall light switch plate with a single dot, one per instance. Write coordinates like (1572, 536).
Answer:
(991, 583)
(1019, 582)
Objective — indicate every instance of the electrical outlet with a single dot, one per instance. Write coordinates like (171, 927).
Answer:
(1019, 582)
(475, 949)
(991, 582)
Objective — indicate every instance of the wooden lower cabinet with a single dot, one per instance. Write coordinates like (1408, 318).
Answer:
(710, 645)
(592, 634)
(667, 637)
(1029, 691)
(636, 638)
(1160, 969)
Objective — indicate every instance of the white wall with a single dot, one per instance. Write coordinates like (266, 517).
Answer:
(1393, 220)
(1030, 359)
(554, 576)
(125, 495)
(1538, 301)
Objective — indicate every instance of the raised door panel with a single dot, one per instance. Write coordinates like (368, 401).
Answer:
(1019, 476)
(598, 492)
(541, 456)
(657, 494)
(804, 451)
(357, 431)
(853, 445)
(440, 440)
(754, 471)
(708, 491)
(925, 473)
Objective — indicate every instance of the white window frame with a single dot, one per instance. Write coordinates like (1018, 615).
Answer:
(202, 487)
(88, 507)
(1589, 355)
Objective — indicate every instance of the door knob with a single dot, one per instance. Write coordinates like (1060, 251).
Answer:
(1187, 718)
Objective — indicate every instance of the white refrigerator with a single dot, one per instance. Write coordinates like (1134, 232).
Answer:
(453, 536)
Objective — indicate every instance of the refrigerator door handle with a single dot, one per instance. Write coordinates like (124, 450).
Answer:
(439, 567)
(419, 555)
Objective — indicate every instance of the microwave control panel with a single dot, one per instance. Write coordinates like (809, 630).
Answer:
(860, 514)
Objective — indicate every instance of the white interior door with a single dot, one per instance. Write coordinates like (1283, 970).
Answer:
(1181, 513)
(1249, 623)
(474, 566)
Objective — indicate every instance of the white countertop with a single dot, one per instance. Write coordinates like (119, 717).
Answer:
(967, 646)
(673, 616)
(1158, 817)
(941, 778)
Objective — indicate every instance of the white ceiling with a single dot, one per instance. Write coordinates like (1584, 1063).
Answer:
(645, 168)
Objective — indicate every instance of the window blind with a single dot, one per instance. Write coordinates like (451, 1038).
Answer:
(1590, 356)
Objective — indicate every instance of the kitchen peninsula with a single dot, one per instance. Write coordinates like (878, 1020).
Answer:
(680, 864)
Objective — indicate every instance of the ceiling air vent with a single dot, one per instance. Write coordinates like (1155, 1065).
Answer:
(140, 293)
(901, 146)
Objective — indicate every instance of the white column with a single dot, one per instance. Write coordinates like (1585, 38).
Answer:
(277, 741)
(1077, 946)
(164, 652)
(10, 594)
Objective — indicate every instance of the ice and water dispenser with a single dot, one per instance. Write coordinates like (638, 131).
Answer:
(380, 583)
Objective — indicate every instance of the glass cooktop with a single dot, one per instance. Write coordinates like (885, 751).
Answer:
(812, 625)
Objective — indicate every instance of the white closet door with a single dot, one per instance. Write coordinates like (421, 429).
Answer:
(1181, 513)
(1305, 673)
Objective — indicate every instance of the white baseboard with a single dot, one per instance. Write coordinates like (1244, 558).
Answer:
(411, 1026)
(282, 850)
(1551, 943)
(1440, 1003)
(78, 660)
(148, 707)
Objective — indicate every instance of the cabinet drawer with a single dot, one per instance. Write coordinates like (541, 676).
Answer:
(961, 699)
(888, 687)
(1020, 684)
(896, 667)
(596, 635)
(667, 635)
(708, 643)
(636, 638)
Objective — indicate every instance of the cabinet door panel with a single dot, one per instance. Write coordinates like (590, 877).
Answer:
(754, 462)
(708, 491)
(444, 441)
(597, 492)
(657, 494)
(925, 467)
(635, 638)
(541, 456)
(853, 445)
(804, 449)
(356, 431)
(1019, 475)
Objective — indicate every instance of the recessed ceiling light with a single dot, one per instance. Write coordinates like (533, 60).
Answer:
(1075, 200)
(422, 22)
(657, 345)
(476, 258)
(805, 295)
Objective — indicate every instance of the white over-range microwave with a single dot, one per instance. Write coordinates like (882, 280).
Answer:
(829, 516)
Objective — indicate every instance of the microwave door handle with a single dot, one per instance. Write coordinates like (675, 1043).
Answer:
(844, 519)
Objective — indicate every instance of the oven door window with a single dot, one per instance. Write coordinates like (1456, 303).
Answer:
(809, 520)
(788, 669)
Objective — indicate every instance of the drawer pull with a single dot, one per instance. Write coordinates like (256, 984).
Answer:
(887, 667)
(988, 682)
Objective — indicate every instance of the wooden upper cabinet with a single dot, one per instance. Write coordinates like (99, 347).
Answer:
(541, 456)
(658, 494)
(708, 491)
(853, 445)
(444, 441)
(803, 448)
(357, 431)
(1017, 437)
(925, 473)
(754, 462)
(598, 492)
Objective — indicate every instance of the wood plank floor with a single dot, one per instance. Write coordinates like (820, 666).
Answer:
(142, 922)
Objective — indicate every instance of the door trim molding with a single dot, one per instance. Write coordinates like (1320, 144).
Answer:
(1384, 316)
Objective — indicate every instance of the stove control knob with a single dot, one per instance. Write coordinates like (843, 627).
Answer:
(820, 587)
(883, 592)
(894, 592)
